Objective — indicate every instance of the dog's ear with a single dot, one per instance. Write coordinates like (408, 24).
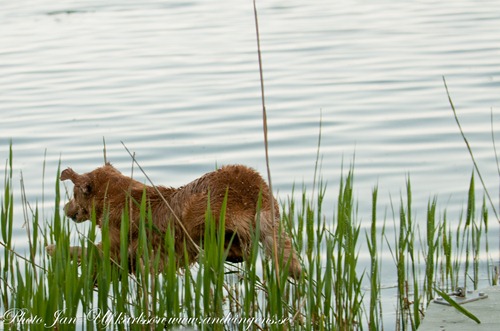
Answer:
(81, 181)
(69, 174)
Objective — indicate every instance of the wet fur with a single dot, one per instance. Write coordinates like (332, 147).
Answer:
(106, 187)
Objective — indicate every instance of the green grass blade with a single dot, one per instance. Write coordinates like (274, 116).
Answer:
(457, 306)
(470, 151)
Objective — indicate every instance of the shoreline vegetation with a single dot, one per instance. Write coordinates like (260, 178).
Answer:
(429, 256)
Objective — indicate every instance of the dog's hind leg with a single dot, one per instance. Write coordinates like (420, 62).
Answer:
(286, 252)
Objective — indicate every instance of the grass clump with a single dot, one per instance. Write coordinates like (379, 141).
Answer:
(336, 292)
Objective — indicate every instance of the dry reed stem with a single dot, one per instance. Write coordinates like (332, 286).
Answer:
(266, 145)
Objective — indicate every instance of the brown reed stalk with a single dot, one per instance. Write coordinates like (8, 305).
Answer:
(266, 143)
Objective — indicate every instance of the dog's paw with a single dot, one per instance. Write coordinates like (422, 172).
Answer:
(50, 249)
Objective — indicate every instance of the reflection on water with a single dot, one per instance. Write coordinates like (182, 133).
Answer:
(178, 83)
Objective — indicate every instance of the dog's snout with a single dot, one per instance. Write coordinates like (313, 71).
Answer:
(70, 211)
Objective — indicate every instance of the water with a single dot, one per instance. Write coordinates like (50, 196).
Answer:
(178, 84)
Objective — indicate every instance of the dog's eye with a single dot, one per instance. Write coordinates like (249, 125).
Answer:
(85, 189)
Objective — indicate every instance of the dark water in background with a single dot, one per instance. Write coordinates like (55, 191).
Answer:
(178, 83)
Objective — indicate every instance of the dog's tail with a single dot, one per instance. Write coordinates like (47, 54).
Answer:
(286, 252)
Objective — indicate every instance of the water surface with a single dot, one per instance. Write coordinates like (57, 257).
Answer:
(178, 84)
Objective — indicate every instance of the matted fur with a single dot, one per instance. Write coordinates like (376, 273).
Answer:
(106, 187)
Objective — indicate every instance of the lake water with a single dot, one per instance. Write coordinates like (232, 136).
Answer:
(178, 83)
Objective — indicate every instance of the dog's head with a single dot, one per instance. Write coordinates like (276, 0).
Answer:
(100, 189)
(80, 207)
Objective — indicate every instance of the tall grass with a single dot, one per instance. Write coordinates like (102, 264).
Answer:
(337, 291)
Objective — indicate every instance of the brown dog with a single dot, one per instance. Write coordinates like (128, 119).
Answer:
(105, 190)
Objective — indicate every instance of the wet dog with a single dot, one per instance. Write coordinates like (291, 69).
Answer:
(106, 192)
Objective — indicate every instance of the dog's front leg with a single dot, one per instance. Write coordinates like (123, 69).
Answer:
(74, 251)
